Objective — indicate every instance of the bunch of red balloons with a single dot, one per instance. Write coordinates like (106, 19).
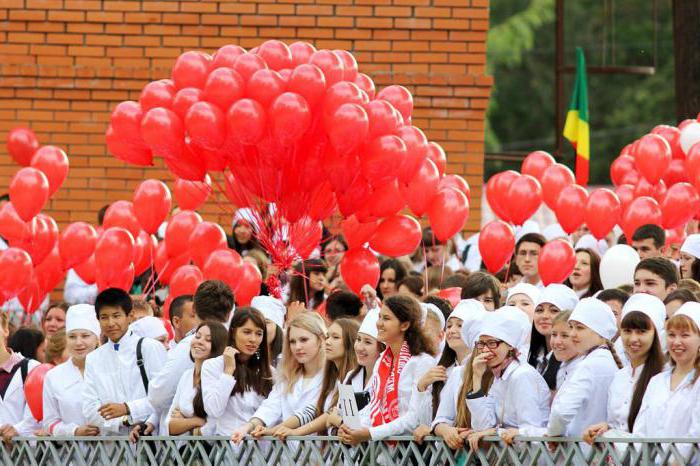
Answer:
(303, 129)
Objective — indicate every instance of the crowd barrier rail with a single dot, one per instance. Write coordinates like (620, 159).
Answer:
(321, 450)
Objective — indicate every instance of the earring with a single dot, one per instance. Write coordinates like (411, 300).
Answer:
(257, 354)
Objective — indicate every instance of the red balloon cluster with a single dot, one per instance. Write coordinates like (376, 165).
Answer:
(298, 127)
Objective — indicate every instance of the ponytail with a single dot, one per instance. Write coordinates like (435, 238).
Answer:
(616, 358)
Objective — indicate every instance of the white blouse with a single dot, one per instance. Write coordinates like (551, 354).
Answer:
(447, 409)
(281, 404)
(620, 397)
(63, 400)
(184, 396)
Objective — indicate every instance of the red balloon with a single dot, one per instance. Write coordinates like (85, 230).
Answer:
(178, 232)
(400, 98)
(525, 197)
(165, 266)
(144, 252)
(191, 70)
(625, 192)
(383, 117)
(53, 163)
(309, 82)
(87, 271)
(21, 144)
(602, 213)
(204, 239)
(224, 86)
(226, 56)
(121, 214)
(652, 156)
(330, 64)
(301, 52)
(359, 267)
(675, 236)
(447, 212)
(571, 207)
(348, 127)
(224, 265)
(13, 228)
(290, 117)
(157, 94)
(416, 151)
(188, 164)
(644, 188)
(44, 238)
(384, 154)
(185, 280)
(246, 121)
(305, 236)
(672, 135)
(190, 195)
(457, 182)
(556, 261)
(29, 191)
(497, 193)
(365, 83)
(206, 125)
(122, 279)
(265, 86)
(693, 161)
(134, 153)
(421, 189)
(680, 205)
(356, 233)
(248, 285)
(555, 178)
(151, 204)
(114, 252)
(247, 64)
(349, 64)
(641, 211)
(536, 163)
(76, 244)
(163, 132)
(34, 389)
(184, 99)
(19, 264)
(398, 235)
(386, 200)
(276, 54)
(676, 173)
(496, 245)
(50, 272)
(31, 296)
(437, 154)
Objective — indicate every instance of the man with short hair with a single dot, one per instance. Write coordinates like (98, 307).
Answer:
(343, 304)
(655, 276)
(527, 253)
(648, 240)
(182, 316)
(116, 388)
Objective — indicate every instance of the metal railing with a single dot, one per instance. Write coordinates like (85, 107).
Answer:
(313, 450)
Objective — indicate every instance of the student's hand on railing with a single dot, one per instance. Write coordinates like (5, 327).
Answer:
(260, 431)
(475, 437)
(353, 437)
(42, 433)
(596, 430)
(136, 431)
(334, 419)
(509, 434)
(8, 432)
(87, 431)
(281, 432)
(420, 433)
(112, 410)
(239, 434)
(452, 435)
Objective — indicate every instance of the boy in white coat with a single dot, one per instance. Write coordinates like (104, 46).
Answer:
(115, 386)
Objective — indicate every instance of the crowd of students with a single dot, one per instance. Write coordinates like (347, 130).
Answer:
(510, 357)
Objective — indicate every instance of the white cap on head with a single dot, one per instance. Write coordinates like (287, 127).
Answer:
(247, 214)
(272, 309)
(588, 241)
(596, 315)
(429, 307)
(149, 327)
(369, 324)
(503, 325)
(649, 305)
(472, 313)
(554, 231)
(531, 291)
(82, 317)
(530, 226)
(690, 309)
(691, 245)
(563, 297)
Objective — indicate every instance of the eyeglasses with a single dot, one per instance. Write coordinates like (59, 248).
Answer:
(491, 344)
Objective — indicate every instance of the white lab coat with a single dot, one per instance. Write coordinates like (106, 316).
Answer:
(408, 418)
(76, 291)
(14, 409)
(566, 369)
(182, 401)
(520, 397)
(583, 398)
(113, 377)
(447, 409)
(224, 411)
(63, 400)
(620, 397)
(281, 404)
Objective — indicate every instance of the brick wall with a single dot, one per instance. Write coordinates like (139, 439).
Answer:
(64, 64)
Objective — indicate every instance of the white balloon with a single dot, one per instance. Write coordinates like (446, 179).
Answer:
(689, 136)
(617, 266)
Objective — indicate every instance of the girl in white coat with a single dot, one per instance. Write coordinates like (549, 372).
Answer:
(642, 323)
(367, 350)
(408, 356)
(187, 412)
(64, 384)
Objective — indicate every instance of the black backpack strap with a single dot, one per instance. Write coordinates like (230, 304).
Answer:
(24, 369)
(142, 366)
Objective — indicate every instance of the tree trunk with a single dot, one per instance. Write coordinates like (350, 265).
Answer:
(686, 37)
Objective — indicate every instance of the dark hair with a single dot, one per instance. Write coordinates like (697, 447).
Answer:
(613, 294)
(343, 304)
(428, 239)
(213, 300)
(684, 295)
(329, 240)
(219, 338)
(300, 286)
(538, 345)
(456, 280)
(276, 346)
(622, 239)
(399, 273)
(333, 373)
(660, 266)
(654, 363)
(178, 304)
(596, 284)
(436, 276)
(414, 283)
(255, 373)
(407, 309)
(531, 238)
(239, 247)
(652, 231)
(101, 214)
(479, 283)
(441, 303)
(695, 270)
(113, 297)
(26, 340)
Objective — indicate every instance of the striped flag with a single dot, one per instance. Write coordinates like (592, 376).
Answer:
(576, 127)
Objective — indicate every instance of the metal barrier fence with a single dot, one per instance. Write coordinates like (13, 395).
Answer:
(311, 451)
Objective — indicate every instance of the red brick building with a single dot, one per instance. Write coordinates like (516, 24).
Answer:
(64, 64)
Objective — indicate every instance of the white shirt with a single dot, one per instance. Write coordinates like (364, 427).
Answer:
(447, 409)
(281, 404)
(566, 369)
(184, 395)
(583, 398)
(14, 409)
(63, 400)
(226, 412)
(620, 397)
(520, 397)
(76, 291)
(408, 419)
(112, 376)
